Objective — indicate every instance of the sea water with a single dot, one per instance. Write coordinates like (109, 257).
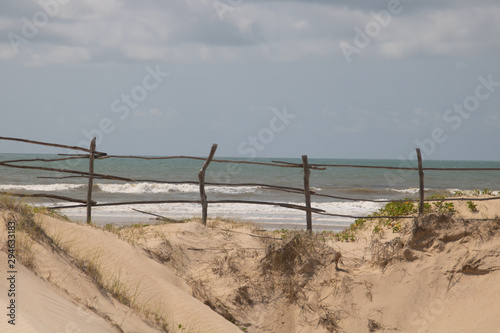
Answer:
(365, 185)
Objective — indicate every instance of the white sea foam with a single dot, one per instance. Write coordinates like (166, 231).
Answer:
(42, 188)
(137, 188)
(145, 188)
(410, 190)
(134, 188)
(271, 216)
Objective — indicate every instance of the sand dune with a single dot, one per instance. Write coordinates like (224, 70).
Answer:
(43, 307)
(440, 273)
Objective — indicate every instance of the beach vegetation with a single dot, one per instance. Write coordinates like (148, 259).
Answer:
(440, 206)
(139, 225)
(458, 193)
(50, 212)
(396, 227)
(28, 232)
(476, 192)
(394, 209)
(486, 191)
(437, 197)
(445, 207)
(111, 228)
(397, 208)
(121, 292)
(472, 206)
(345, 236)
(7, 202)
(227, 223)
(283, 232)
(384, 253)
(349, 235)
(91, 266)
(25, 251)
(358, 224)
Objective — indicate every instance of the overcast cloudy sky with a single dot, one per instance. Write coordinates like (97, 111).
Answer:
(327, 78)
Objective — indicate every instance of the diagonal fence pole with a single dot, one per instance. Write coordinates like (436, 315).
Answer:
(91, 180)
(307, 192)
(201, 178)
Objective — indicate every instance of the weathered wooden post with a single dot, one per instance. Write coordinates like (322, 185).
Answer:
(421, 177)
(307, 192)
(201, 178)
(91, 180)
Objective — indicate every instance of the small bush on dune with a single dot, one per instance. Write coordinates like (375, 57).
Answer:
(406, 207)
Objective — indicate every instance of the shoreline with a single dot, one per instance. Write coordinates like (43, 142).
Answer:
(131, 220)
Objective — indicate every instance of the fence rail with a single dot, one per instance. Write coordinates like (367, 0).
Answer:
(92, 154)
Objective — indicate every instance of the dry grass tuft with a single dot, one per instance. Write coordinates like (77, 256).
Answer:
(329, 320)
(384, 253)
(28, 232)
(289, 266)
(302, 254)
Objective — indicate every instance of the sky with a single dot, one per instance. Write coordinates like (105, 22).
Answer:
(274, 78)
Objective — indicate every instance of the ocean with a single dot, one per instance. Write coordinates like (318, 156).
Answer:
(363, 184)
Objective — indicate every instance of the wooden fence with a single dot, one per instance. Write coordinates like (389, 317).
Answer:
(92, 154)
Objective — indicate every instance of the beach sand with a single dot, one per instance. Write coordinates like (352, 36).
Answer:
(438, 274)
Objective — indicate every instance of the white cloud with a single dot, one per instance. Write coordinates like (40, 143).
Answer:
(43, 56)
(117, 31)
(446, 32)
(6, 52)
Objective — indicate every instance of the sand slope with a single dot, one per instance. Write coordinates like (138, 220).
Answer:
(41, 307)
(439, 274)
(155, 287)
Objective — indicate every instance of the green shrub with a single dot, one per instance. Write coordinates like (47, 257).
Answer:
(395, 208)
(399, 208)
(358, 224)
(437, 196)
(472, 206)
(445, 208)
(349, 235)
(427, 208)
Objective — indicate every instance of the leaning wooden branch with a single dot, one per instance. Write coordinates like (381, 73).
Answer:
(50, 196)
(275, 164)
(65, 171)
(298, 165)
(45, 159)
(201, 178)
(163, 218)
(250, 202)
(51, 145)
